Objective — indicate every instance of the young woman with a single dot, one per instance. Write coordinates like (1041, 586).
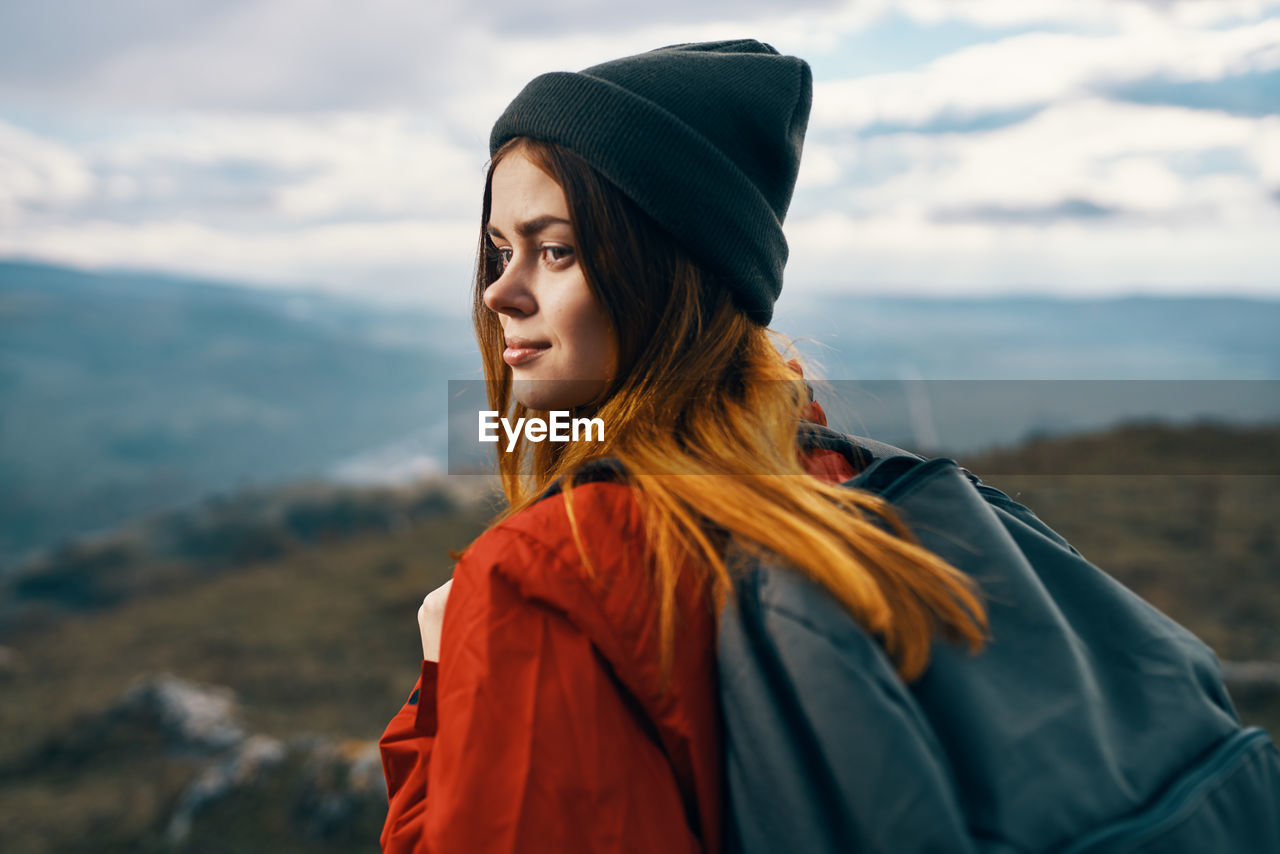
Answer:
(631, 251)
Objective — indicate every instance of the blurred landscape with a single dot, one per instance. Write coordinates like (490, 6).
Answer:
(221, 508)
(128, 393)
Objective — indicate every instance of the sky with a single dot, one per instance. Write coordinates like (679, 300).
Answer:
(956, 147)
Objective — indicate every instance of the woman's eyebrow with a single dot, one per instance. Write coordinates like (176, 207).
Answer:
(530, 227)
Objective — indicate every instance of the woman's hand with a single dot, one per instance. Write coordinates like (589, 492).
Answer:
(431, 618)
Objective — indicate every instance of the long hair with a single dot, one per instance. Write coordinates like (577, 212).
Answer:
(700, 388)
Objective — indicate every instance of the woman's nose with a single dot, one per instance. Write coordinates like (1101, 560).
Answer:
(510, 294)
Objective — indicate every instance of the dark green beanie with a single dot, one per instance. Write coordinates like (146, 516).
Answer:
(705, 138)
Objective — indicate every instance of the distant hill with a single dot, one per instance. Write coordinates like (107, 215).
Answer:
(125, 393)
(1037, 338)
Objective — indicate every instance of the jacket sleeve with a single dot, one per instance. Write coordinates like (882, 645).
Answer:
(531, 744)
(406, 749)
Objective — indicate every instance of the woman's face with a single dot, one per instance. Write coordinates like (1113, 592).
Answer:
(559, 343)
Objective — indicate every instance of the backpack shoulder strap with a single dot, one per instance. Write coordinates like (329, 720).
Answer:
(860, 451)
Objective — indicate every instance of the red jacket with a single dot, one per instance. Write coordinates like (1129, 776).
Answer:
(544, 727)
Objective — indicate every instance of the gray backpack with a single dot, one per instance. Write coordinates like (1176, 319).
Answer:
(1090, 723)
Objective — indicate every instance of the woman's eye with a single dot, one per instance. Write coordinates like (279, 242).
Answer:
(557, 253)
(501, 258)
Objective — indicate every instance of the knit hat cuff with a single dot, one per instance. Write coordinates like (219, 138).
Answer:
(671, 171)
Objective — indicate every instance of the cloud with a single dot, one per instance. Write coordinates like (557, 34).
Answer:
(406, 54)
(1132, 14)
(284, 54)
(38, 175)
(330, 54)
(1252, 94)
(58, 41)
(313, 167)
(1087, 195)
(1019, 74)
(555, 17)
(1065, 209)
(1118, 156)
(244, 172)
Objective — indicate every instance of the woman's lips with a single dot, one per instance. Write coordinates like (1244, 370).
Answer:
(519, 352)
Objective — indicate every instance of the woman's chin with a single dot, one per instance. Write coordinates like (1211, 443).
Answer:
(555, 394)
